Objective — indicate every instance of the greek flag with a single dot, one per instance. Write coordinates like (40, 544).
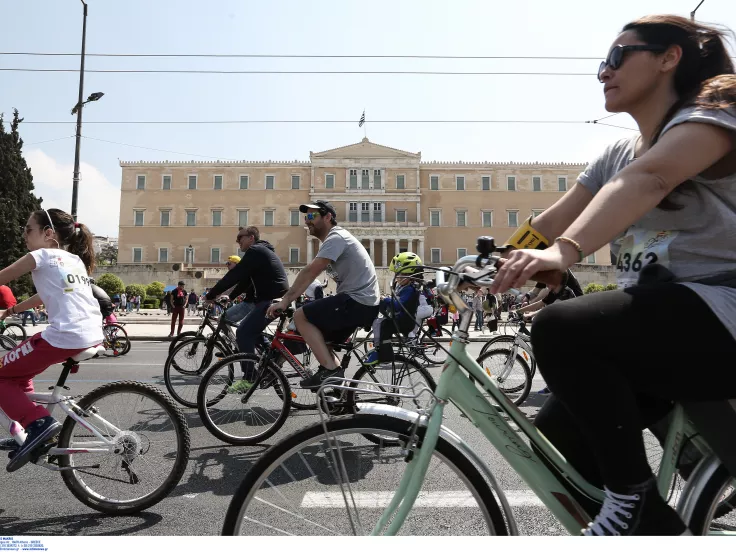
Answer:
(362, 119)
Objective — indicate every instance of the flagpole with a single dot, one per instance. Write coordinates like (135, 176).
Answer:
(365, 126)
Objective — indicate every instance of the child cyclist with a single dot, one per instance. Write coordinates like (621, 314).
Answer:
(60, 260)
(399, 315)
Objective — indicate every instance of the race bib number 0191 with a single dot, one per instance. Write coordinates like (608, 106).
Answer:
(71, 279)
(640, 248)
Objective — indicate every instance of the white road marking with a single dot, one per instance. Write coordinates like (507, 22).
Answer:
(190, 495)
(426, 499)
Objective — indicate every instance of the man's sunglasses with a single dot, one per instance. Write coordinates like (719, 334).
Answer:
(311, 216)
(616, 55)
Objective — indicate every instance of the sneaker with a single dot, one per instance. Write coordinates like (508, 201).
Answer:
(371, 359)
(9, 444)
(641, 511)
(544, 391)
(240, 386)
(315, 381)
(37, 433)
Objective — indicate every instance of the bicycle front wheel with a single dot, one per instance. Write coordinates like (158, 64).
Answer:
(292, 488)
(14, 331)
(506, 342)
(185, 366)
(512, 376)
(431, 351)
(151, 448)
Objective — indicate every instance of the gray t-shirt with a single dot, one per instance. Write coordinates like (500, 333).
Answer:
(351, 266)
(694, 242)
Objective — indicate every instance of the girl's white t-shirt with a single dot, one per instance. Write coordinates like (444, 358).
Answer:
(75, 320)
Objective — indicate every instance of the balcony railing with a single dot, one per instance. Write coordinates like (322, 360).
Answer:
(383, 224)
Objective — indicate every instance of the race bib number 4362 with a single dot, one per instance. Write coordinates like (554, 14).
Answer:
(640, 248)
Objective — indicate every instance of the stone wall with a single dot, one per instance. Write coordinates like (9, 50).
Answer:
(200, 278)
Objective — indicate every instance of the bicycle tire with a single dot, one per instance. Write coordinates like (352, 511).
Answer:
(281, 387)
(7, 343)
(427, 342)
(507, 341)
(710, 501)
(522, 389)
(14, 331)
(103, 503)
(190, 378)
(181, 337)
(360, 425)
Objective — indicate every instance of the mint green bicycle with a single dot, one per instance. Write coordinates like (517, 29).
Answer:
(388, 471)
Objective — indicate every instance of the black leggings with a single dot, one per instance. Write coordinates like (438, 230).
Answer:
(616, 361)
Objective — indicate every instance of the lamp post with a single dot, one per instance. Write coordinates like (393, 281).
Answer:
(190, 255)
(77, 109)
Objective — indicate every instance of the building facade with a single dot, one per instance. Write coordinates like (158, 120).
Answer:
(187, 214)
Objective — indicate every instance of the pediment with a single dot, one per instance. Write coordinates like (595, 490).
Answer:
(364, 149)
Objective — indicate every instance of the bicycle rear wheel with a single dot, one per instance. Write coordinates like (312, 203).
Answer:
(14, 331)
(292, 488)
(192, 358)
(7, 342)
(433, 352)
(506, 342)
(151, 439)
(515, 383)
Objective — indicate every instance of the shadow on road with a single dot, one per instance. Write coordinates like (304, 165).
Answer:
(75, 524)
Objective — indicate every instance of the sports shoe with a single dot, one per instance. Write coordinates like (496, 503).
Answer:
(371, 359)
(316, 380)
(641, 511)
(37, 433)
(9, 444)
(544, 391)
(240, 386)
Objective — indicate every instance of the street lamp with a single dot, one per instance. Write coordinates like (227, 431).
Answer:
(77, 109)
(190, 255)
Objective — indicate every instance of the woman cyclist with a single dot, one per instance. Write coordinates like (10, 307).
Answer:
(60, 260)
(666, 198)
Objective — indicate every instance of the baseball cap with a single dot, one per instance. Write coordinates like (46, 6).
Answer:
(233, 259)
(322, 206)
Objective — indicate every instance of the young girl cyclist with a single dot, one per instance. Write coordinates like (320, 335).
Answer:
(60, 260)
(665, 199)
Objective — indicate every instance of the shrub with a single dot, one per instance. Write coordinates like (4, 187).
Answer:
(151, 303)
(136, 289)
(155, 289)
(611, 287)
(111, 284)
(593, 288)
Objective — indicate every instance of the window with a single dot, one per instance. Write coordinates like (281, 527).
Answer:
(295, 217)
(378, 212)
(329, 181)
(590, 259)
(434, 217)
(353, 213)
(165, 218)
(461, 252)
(166, 182)
(242, 219)
(513, 219)
(215, 255)
(192, 181)
(400, 182)
(163, 255)
(138, 218)
(562, 183)
(141, 182)
(294, 255)
(137, 255)
(434, 182)
(364, 179)
(537, 183)
(461, 217)
(244, 181)
(401, 216)
(216, 218)
(537, 212)
(353, 179)
(436, 255)
(511, 183)
(270, 179)
(191, 218)
(377, 179)
(485, 183)
(487, 217)
(460, 183)
(218, 182)
(295, 180)
(365, 213)
(268, 218)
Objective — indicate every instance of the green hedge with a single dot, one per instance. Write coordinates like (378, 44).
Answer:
(111, 284)
(132, 290)
(151, 303)
(155, 289)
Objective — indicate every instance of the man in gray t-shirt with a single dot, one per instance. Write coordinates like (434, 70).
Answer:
(354, 305)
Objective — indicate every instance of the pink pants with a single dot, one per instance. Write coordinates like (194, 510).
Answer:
(17, 370)
(111, 319)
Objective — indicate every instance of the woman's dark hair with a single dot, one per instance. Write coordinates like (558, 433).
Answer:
(74, 237)
(704, 76)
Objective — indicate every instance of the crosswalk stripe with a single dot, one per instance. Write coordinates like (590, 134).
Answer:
(426, 499)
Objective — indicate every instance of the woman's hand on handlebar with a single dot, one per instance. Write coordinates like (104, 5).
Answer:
(547, 265)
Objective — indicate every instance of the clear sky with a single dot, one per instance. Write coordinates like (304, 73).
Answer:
(375, 27)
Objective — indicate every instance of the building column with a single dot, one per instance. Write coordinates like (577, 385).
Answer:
(373, 251)
(309, 249)
(408, 244)
(419, 212)
(384, 253)
(420, 252)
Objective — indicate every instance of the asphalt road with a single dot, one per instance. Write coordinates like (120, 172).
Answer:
(35, 501)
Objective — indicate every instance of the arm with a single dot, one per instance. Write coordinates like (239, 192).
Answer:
(305, 277)
(240, 273)
(534, 306)
(29, 303)
(20, 267)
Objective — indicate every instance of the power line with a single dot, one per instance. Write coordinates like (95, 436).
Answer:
(47, 141)
(159, 150)
(259, 72)
(324, 121)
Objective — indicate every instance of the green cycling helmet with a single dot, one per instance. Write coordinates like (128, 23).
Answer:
(405, 263)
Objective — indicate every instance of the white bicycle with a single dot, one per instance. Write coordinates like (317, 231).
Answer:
(122, 463)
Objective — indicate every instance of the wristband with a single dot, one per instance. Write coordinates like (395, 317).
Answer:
(572, 242)
(526, 237)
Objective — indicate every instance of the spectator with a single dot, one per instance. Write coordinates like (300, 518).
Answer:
(26, 313)
(137, 303)
(123, 302)
(167, 302)
(478, 308)
(7, 299)
(192, 303)
(178, 302)
(116, 301)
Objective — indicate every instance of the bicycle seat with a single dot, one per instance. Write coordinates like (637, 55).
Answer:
(88, 353)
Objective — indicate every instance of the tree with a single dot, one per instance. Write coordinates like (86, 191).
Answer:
(155, 289)
(18, 201)
(111, 284)
(132, 290)
(108, 255)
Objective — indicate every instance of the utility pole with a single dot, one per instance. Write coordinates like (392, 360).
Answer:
(75, 185)
(692, 13)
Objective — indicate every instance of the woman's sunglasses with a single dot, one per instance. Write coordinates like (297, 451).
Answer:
(616, 55)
